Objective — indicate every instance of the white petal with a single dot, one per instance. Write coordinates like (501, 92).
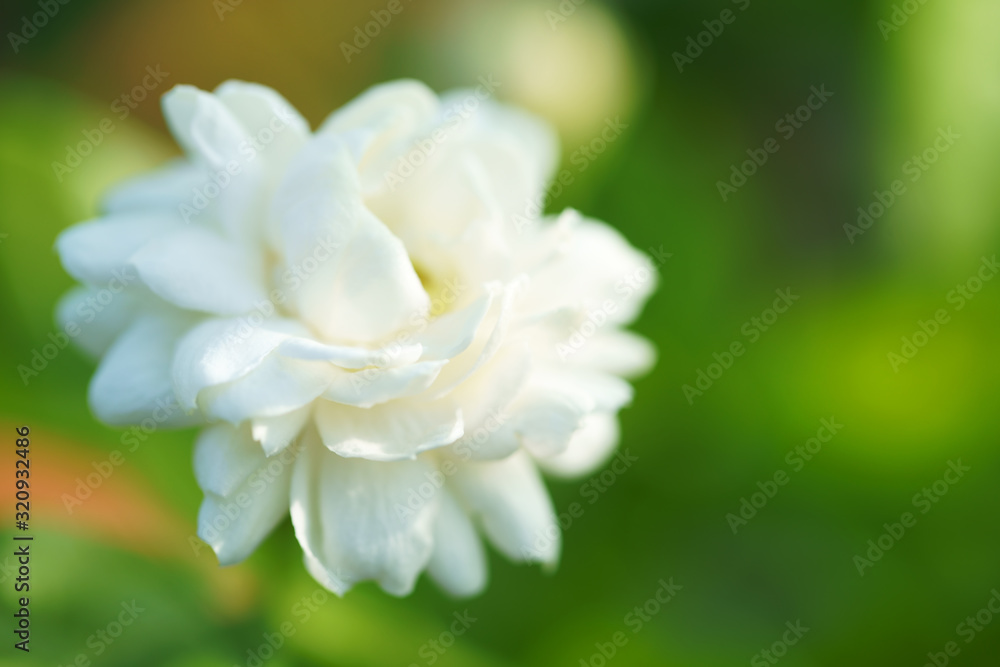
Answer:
(610, 393)
(513, 505)
(397, 430)
(350, 357)
(547, 423)
(132, 383)
(235, 524)
(480, 167)
(518, 151)
(588, 449)
(276, 433)
(491, 391)
(97, 251)
(99, 315)
(596, 266)
(263, 112)
(617, 352)
(452, 333)
(224, 457)
(490, 335)
(277, 133)
(203, 126)
(382, 118)
(218, 351)
(234, 539)
(197, 269)
(364, 287)
(458, 562)
(275, 387)
(486, 406)
(353, 520)
(599, 391)
(374, 386)
(165, 188)
(554, 403)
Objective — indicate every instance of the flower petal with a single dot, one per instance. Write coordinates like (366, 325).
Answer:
(219, 351)
(165, 188)
(264, 113)
(224, 456)
(545, 424)
(275, 387)
(485, 400)
(596, 265)
(451, 334)
(366, 288)
(350, 357)
(277, 132)
(198, 269)
(98, 251)
(382, 119)
(352, 518)
(277, 433)
(203, 126)
(554, 403)
(99, 315)
(458, 562)
(609, 393)
(591, 445)
(374, 386)
(392, 431)
(513, 505)
(235, 524)
(617, 352)
(489, 338)
(132, 382)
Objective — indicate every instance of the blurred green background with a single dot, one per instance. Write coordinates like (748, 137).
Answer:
(580, 65)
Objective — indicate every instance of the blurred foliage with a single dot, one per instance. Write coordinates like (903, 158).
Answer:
(666, 517)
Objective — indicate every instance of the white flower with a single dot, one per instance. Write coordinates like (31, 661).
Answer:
(378, 330)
